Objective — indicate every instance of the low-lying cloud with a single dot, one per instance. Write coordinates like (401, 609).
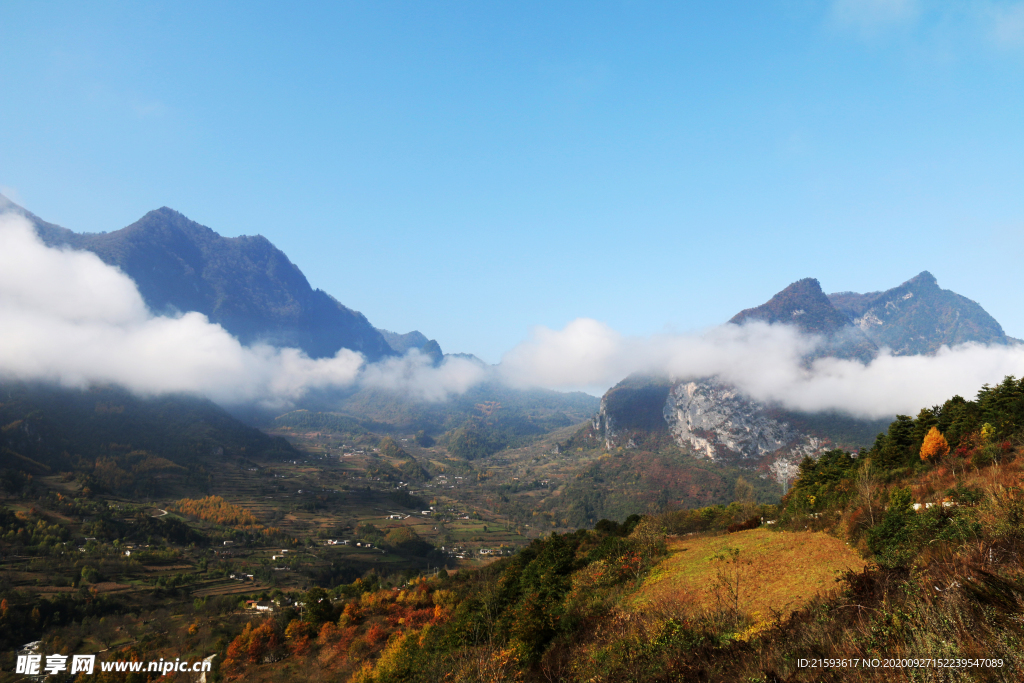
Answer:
(766, 362)
(68, 318)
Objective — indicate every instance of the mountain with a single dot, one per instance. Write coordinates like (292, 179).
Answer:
(714, 420)
(805, 305)
(245, 284)
(918, 317)
(485, 406)
(127, 443)
(413, 340)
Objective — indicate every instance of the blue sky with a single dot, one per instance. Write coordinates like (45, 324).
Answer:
(474, 169)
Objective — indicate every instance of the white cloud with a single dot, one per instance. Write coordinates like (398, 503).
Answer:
(1006, 21)
(414, 375)
(765, 361)
(67, 317)
(944, 29)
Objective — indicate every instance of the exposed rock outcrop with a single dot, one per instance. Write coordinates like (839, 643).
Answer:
(715, 420)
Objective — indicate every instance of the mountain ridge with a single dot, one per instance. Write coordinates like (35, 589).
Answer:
(919, 317)
(712, 419)
(245, 283)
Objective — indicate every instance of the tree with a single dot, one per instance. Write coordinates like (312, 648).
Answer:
(892, 540)
(263, 643)
(935, 445)
(743, 492)
(319, 607)
(867, 484)
(894, 448)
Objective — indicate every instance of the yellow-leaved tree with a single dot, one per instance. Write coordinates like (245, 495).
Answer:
(935, 445)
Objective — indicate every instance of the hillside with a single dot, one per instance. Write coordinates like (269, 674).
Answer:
(767, 572)
(120, 442)
(245, 283)
(912, 550)
(848, 572)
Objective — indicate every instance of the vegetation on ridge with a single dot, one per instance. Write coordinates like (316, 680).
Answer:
(930, 546)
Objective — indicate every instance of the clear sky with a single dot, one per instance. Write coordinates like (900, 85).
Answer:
(474, 169)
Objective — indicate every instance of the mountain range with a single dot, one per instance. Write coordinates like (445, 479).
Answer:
(251, 288)
(917, 317)
(245, 284)
(256, 293)
(710, 418)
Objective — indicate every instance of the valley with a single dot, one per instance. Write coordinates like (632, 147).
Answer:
(397, 527)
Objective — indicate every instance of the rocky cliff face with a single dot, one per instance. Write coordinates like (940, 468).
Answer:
(718, 422)
(709, 418)
(712, 419)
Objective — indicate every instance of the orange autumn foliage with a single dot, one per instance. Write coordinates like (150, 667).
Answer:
(216, 509)
(935, 445)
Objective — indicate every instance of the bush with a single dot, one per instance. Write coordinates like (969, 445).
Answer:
(891, 540)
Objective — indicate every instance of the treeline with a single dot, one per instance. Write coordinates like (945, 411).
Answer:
(977, 432)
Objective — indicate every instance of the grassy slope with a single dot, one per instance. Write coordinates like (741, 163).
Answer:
(778, 571)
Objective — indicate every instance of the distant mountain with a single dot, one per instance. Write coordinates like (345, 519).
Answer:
(245, 284)
(804, 305)
(413, 340)
(918, 317)
(714, 420)
(392, 411)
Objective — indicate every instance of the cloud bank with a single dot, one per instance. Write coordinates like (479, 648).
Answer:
(66, 317)
(765, 362)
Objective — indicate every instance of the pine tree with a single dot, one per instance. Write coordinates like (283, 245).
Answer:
(935, 445)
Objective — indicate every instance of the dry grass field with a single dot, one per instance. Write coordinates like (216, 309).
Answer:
(758, 572)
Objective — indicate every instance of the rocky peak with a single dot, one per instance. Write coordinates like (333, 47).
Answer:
(921, 281)
(245, 284)
(919, 317)
(803, 304)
